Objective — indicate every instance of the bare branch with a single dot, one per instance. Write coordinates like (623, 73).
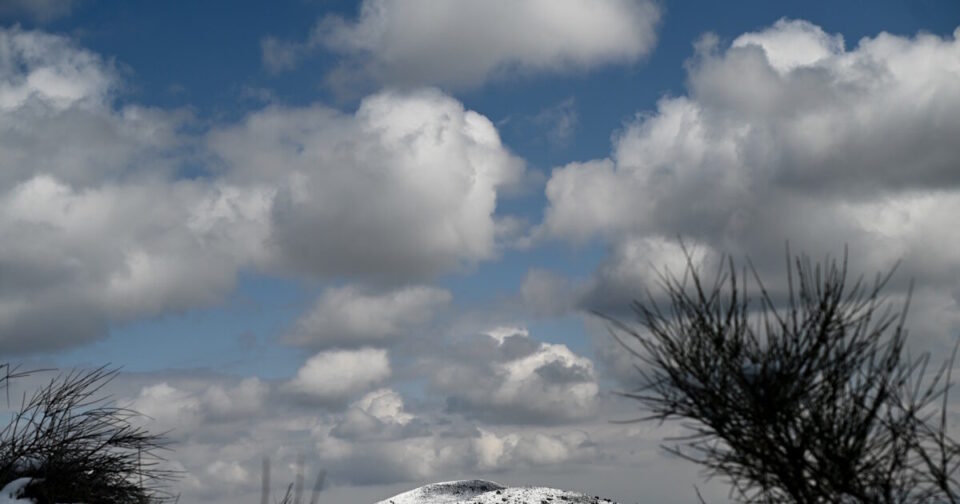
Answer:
(814, 401)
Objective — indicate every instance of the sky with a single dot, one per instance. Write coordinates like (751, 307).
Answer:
(372, 233)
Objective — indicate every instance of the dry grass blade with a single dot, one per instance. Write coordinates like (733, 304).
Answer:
(78, 447)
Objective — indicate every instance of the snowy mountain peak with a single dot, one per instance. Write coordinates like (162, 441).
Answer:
(488, 492)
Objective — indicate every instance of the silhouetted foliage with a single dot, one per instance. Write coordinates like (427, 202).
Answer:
(294, 492)
(810, 400)
(77, 447)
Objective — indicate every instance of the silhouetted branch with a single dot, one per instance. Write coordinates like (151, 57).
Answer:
(814, 400)
(77, 447)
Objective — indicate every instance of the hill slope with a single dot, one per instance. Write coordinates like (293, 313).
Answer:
(487, 492)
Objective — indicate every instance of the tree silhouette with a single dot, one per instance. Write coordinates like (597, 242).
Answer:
(77, 447)
(810, 399)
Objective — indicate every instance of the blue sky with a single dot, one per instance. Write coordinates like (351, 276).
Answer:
(374, 230)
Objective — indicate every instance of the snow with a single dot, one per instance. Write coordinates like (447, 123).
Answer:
(487, 492)
(10, 492)
(449, 492)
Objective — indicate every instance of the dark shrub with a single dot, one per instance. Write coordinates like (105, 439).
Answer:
(78, 447)
(811, 398)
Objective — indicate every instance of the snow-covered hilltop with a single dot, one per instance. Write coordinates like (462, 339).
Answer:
(487, 492)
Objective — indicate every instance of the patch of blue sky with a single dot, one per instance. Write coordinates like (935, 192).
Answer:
(566, 330)
(237, 337)
(206, 56)
(202, 54)
(489, 281)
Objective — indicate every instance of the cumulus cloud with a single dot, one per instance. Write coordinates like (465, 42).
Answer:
(214, 419)
(498, 452)
(244, 398)
(785, 134)
(816, 135)
(96, 230)
(221, 427)
(814, 120)
(425, 458)
(391, 444)
(349, 316)
(56, 99)
(635, 268)
(102, 228)
(406, 187)
(169, 407)
(509, 377)
(224, 426)
(464, 43)
(114, 252)
(377, 415)
(335, 375)
(793, 44)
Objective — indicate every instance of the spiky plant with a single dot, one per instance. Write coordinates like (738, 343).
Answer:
(78, 447)
(810, 399)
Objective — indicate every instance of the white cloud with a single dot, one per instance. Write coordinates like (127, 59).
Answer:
(428, 457)
(385, 405)
(223, 427)
(48, 69)
(96, 228)
(404, 188)
(182, 408)
(849, 123)
(116, 252)
(349, 316)
(376, 433)
(513, 450)
(228, 472)
(58, 119)
(635, 264)
(464, 43)
(377, 439)
(245, 398)
(335, 375)
(167, 407)
(793, 44)
(101, 227)
(378, 415)
(786, 134)
(588, 198)
(516, 379)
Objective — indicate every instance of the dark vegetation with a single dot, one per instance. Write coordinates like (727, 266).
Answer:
(294, 492)
(77, 446)
(810, 398)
